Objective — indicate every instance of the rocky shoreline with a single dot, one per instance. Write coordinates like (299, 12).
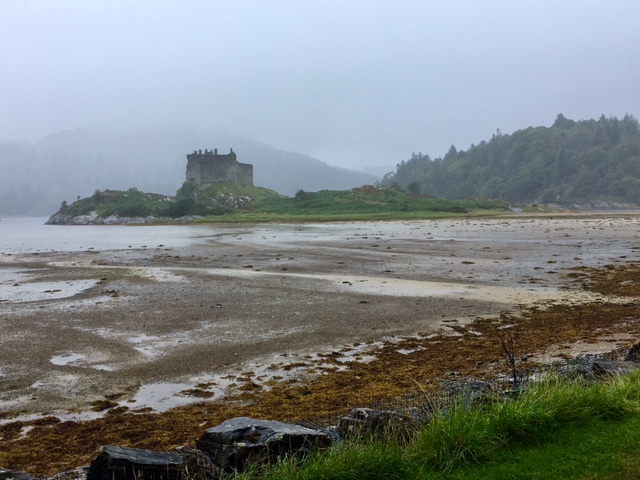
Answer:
(94, 219)
(389, 308)
(236, 443)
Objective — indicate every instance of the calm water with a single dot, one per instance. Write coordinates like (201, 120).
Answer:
(28, 235)
(22, 235)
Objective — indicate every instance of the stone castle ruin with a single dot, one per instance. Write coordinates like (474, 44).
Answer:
(212, 167)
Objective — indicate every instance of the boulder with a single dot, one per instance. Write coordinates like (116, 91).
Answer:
(471, 391)
(236, 442)
(613, 368)
(14, 475)
(633, 355)
(365, 422)
(79, 473)
(117, 463)
(478, 391)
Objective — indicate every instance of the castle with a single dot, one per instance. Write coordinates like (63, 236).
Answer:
(212, 167)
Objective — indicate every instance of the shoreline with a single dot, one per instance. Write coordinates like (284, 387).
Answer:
(189, 316)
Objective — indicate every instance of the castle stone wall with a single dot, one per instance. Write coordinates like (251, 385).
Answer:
(212, 167)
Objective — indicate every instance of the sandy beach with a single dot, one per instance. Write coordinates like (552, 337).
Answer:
(143, 324)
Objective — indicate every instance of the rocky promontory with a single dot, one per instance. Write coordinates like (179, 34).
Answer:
(92, 218)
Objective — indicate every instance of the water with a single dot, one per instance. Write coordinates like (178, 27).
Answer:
(30, 235)
(16, 286)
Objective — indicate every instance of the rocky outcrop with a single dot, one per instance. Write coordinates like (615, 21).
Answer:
(14, 475)
(116, 463)
(633, 354)
(602, 368)
(369, 423)
(241, 202)
(604, 205)
(93, 219)
(229, 447)
(238, 441)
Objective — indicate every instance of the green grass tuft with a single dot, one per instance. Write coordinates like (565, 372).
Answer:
(558, 428)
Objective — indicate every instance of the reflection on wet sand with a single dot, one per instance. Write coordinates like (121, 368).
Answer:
(206, 305)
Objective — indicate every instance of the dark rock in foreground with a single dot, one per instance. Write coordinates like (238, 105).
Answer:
(613, 368)
(366, 422)
(14, 475)
(235, 442)
(116, 463)
(633, 354)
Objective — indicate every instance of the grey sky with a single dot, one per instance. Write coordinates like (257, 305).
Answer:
(352, 83)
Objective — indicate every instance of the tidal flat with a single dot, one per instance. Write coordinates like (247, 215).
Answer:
(246, 319)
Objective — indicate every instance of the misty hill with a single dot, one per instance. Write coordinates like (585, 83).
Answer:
(36, 178)
(571, 161)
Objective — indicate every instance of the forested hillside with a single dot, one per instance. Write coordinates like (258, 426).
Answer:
(571, 161)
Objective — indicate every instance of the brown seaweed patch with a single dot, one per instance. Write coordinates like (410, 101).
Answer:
(474, 351)
(101, 405)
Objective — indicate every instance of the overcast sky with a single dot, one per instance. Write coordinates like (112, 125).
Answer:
(352, 83)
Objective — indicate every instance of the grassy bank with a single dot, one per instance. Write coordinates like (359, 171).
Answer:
(556, 429)
(232, 203)
(262, 217)
(358, 204)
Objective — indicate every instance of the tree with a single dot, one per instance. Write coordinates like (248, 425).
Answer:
(414, 187)
(452, 153)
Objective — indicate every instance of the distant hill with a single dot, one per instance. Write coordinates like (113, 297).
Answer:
(36, 178)
(582, 161)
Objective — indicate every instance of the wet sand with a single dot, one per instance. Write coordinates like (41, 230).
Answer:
(79, 327)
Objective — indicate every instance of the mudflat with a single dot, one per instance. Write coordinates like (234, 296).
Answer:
(145, 345)
(144, 325)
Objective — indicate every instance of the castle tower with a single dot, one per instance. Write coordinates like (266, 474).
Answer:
(211, 167)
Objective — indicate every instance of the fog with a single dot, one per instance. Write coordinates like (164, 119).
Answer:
(355, 83)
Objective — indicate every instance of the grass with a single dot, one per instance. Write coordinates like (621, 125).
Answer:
(315, 217)
(597, 450)
(556, 429)
(227, 202)
(370, 200)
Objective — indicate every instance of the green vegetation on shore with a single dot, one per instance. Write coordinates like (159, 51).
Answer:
(231, 202)
(571, 161)
(212, 200)
(130, 203)
(371, 200)
(557, 429)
